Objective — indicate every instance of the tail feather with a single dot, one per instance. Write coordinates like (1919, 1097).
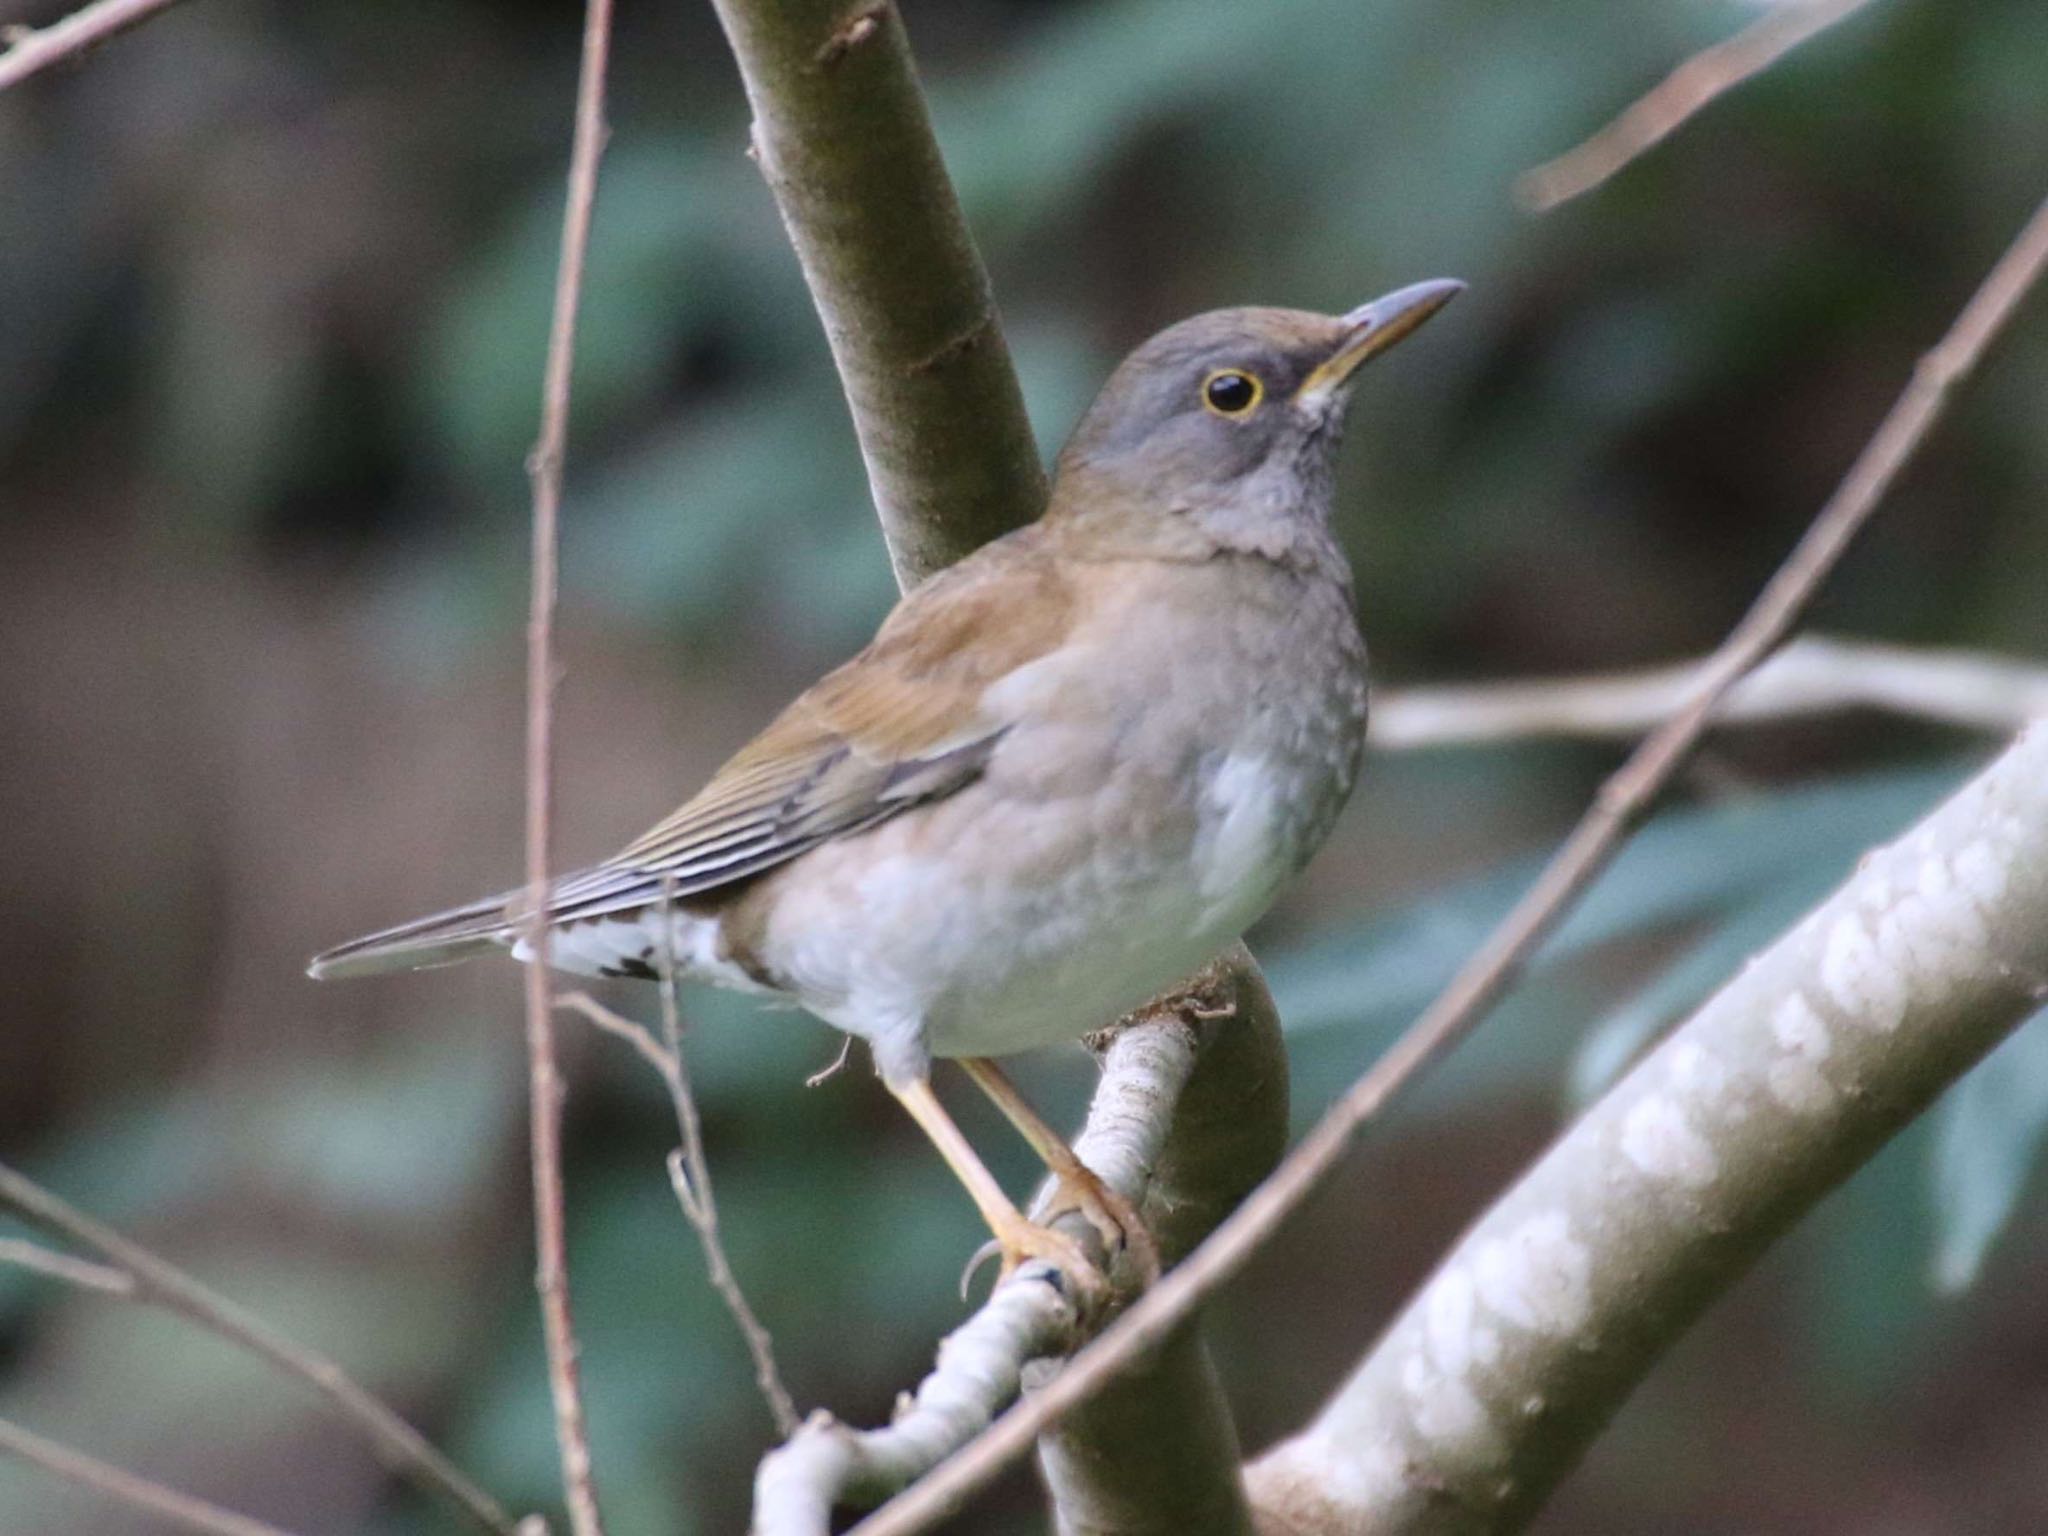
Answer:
(443, 939)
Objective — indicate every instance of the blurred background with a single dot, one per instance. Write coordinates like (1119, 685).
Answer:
(273, 299)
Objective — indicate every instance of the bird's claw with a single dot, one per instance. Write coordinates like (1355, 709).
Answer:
(1024, 1242)
(1115, 1220)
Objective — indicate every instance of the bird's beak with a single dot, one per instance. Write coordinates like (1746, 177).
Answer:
(1372, 328)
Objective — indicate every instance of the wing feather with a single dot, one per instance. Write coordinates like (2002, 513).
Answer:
(906, 721)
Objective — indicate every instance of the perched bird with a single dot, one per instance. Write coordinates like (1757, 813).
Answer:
(1065, 772)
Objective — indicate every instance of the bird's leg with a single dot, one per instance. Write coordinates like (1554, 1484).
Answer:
(1078, 1187)
(1017, 1237)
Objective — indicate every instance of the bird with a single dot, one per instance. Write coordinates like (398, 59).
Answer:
(1067, 770)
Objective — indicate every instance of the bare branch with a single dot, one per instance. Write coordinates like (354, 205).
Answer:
(551, 1277)
(1810, 676)
(33, 51)
(180, 1510)
(1503, 1367)
(689, 1174)
(1486, 977)
(160, 1283)
(87, 1276)
(844, 140)
(1695, 84)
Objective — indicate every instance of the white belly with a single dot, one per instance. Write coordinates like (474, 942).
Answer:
(1058, 927)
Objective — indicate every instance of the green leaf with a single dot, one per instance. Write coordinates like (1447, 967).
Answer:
(1988, 1136)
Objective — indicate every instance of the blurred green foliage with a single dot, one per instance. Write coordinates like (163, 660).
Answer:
(273, 297)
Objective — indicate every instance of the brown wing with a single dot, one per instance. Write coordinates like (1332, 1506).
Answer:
(906, 721)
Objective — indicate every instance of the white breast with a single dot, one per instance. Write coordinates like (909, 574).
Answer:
(1245, 849)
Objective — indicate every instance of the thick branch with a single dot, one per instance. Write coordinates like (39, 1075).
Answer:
(1191, 1109)
(1811, 676)
(843, 137)
(1521, 1347)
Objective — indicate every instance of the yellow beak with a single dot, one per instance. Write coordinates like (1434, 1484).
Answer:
(1372, 328)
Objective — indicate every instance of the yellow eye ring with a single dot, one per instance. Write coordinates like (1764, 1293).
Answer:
(1231, 392)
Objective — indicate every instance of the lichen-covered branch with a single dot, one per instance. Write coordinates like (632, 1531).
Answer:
(842, 135)
(1157, 1453)
(1520, 1348)
(1190, 1112)
(980, 1367)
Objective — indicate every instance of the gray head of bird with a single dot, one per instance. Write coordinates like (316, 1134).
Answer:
(1230, 420)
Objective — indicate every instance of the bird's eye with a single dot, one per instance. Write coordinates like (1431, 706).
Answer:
(1232, 391)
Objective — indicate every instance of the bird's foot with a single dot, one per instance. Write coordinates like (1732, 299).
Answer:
(1018, 1242)
(1115, 1220)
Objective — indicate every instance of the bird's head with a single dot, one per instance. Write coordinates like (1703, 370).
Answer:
(1231, 417)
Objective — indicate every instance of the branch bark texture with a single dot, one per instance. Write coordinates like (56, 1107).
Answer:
(842, 135)
(1157, 1453)
(1497, 1375)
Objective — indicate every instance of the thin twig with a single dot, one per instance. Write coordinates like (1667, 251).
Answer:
(1811, 676)
(83, 1273)
(1701, 79)
(35, 51)
(181, 1510)
(1484, 978)
(618, 1026)
(158, 1282)
(690, 1177)
(551, 1277)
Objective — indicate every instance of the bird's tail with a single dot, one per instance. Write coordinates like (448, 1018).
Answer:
(443, 939)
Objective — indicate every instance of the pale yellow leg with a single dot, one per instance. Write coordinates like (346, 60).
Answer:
(1018, 1238)
(1079, 1188)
